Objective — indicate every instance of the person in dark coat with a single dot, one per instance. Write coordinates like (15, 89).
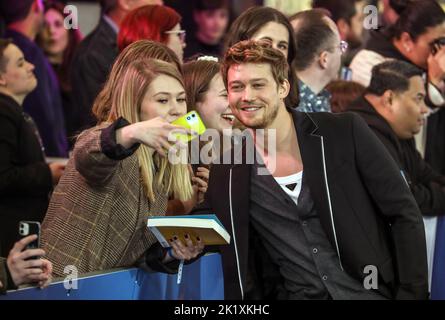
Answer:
(25, 178)
(59, 44)
(393, 107)
(24, 19)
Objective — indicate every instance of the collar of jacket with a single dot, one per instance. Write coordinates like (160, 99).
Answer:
(9, 102)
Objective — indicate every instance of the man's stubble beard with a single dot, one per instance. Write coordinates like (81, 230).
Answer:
(266, 120)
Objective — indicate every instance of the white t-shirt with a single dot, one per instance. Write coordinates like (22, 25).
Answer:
(291, 185)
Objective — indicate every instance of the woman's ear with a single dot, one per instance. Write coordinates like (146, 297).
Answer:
(407, 42)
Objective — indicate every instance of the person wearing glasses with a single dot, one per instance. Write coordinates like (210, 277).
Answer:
(349, 17)
(156, 23)
(318, 58)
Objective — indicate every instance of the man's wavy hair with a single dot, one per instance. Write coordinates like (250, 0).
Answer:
(250, 51)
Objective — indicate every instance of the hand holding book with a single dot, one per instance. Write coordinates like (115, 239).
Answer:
(186, 250)
(186, 236)
(206, 227)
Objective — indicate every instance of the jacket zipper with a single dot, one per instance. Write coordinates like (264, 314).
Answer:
(234, 236)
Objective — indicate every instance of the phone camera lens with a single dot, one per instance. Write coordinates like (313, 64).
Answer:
(188, 118)
(193, 115)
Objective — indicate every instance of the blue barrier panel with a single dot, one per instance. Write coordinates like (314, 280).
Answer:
(201, 280)
(438, 279)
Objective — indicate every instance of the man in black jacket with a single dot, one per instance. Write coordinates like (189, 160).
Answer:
(393, 106)
(330, 206)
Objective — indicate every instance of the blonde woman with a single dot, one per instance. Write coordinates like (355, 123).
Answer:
(118, 176)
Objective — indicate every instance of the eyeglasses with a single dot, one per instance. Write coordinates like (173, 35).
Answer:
(343, 46)
(180, 33)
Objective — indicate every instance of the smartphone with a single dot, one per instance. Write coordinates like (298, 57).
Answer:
(190, 121)
(27, 228)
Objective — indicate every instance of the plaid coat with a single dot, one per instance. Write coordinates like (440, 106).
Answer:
(98, 212)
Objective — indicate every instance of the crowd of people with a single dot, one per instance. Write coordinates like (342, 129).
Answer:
(357, 166)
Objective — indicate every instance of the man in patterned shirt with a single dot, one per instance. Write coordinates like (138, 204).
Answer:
(318, 58)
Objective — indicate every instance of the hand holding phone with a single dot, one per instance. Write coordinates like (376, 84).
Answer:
(20, 262)
(191, 121)
(27, 228)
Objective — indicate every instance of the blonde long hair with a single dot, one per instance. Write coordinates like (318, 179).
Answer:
(139, 50)
(130, 86)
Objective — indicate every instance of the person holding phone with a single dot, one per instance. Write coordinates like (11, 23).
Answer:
(119, 175)
(25, 179)
(19, 269)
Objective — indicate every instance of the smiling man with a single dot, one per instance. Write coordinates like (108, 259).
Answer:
(332, 205)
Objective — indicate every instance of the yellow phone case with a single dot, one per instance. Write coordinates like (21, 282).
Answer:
(190, 121)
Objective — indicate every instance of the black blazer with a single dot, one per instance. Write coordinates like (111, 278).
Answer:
(25, 178)
(91, 65)
(365, 206)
